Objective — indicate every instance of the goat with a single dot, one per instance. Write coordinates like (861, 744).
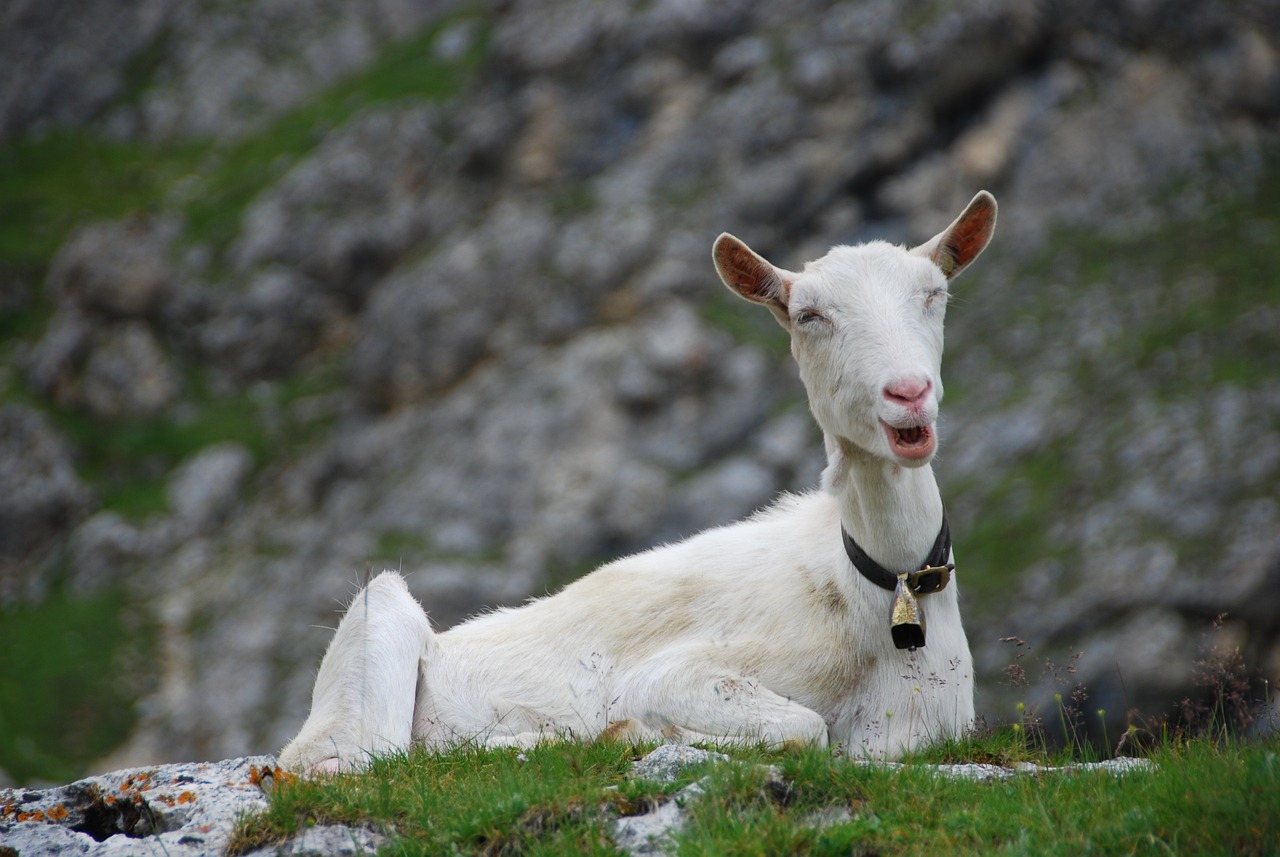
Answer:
(770, 630)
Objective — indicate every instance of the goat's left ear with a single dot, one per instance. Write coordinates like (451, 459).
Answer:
(752, 277)
(955, 247)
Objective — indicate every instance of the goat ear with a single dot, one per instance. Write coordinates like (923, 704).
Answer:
(747, 273)
(959, 244)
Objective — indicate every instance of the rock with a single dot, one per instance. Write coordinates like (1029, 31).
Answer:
(665, 764)
(266, 332)
(204, 488)
(113, 371)
(53, 365)
(116, 269)
(42, 495)
(102, 548)
(326, 840)
(64, 68)
(181, 809)
(348, 211)
(127, 374)
(649, 832)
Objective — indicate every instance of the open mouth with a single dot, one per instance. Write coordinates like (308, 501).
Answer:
(911, 442)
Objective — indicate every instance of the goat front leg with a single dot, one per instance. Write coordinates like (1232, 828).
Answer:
(364, 695)
(694, 697)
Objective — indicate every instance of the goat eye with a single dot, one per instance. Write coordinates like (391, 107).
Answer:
(934, 295)
(809, 315)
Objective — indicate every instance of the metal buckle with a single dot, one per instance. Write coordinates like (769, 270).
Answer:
(930, 579)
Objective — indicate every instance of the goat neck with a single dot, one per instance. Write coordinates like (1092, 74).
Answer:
(894, 513)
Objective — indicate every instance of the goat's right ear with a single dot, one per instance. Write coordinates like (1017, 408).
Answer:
(747, 273)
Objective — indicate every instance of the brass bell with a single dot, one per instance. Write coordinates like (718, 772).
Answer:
(906, 623)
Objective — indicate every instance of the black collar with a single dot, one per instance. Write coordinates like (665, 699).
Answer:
(885, 579)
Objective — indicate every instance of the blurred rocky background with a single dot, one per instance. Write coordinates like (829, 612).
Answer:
(295, 290)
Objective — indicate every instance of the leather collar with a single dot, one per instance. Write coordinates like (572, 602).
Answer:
(876, 573)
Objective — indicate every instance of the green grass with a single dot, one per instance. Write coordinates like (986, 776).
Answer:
(1204, 797)
(544, 800)
(66, 695)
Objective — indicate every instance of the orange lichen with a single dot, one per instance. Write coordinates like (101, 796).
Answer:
(187, 797)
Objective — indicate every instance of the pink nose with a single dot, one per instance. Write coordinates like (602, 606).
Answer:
(908, 392)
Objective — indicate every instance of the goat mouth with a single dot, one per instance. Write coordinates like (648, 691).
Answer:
(910, 442)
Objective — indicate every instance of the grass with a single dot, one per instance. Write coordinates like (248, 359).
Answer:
(66, 697)
(1205, 797)
(544, 800)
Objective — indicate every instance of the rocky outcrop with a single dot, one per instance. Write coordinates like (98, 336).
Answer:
(479, 338)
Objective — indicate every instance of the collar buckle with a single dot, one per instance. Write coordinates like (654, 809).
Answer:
(930, 579)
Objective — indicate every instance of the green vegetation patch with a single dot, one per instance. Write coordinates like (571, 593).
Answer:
(1203, 797)
(547, 800)
(70, 672)
(51, 182)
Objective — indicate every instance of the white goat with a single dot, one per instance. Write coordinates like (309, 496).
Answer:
(760, 631)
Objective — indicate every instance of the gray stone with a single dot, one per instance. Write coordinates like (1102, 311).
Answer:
(665, 764)
(204, 488)
(53, 365)
(120, 269)
(650, 833)
(65, 68)
(182, 809)
(128, 375)
(42, 494)
(326, 840)
(265, 333)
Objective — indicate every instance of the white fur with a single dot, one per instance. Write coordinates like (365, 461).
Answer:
(760, 631)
